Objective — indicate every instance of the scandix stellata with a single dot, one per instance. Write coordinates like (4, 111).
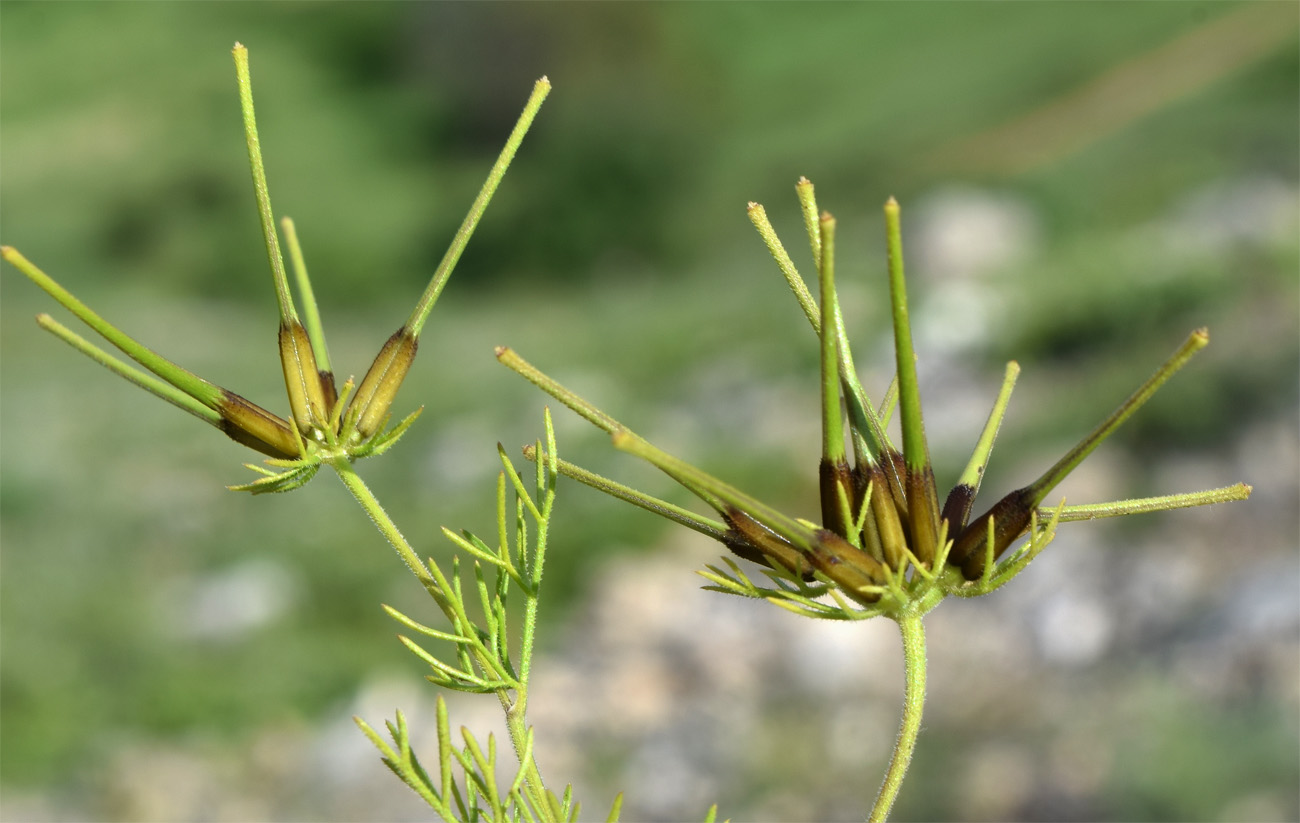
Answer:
(885, 543)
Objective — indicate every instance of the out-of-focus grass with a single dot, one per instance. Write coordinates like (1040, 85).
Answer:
(616, 256)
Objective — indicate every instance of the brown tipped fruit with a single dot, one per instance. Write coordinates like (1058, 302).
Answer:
(956, 509)
(330, 390)
(1011, 516)
(255, 427)
(301, 378)
(755, 542)
(888, 527)
(379, 387)
(849, 568)
(923, 513)
(834, 476)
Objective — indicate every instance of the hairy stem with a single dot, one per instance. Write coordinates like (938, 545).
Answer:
(421, 313)
(436, 583)
(543, 801)
(147, 382)
(1092, 511)
(310, 309)
(385, 524)
(260, 191)
(913, 704)
(915, 450)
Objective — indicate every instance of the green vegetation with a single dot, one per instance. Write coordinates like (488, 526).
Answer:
(618, 251)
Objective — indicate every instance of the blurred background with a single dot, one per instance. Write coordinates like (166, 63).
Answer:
(1081, 184)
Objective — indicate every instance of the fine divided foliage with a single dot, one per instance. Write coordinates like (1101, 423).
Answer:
(886, 544)
(478, 655)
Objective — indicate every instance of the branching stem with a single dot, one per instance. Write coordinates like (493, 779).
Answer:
(436, 583)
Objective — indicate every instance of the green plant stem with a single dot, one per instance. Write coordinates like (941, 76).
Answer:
(546, 491)
(516, 721)
(147, 382)
(421, 313)
(384, 523)
(1040, 488)
(260, 190)
(979, 459)
(832, 417)
(1092, 511)
(517, 725)
(188, 382)
(431, 577)
(436, 584)
(310, 310)
(915, 451)
(704, 525)
(913, 704)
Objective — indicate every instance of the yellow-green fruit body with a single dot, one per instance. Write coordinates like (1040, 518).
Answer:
(379, 387)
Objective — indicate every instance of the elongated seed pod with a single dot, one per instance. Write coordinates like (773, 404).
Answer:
(330, 390)
(922, 512)
(834, 476)
(1011, 517)
(302, 378)
(956, 509)
(377, 389)
(255, 427)
(758, 544)
(851, 569)
(889, 527)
